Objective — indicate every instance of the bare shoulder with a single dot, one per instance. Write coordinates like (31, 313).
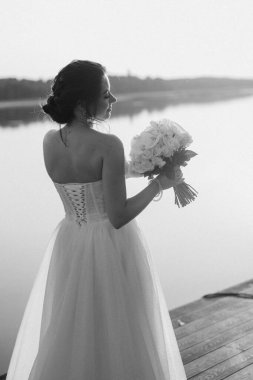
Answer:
(49, 136)
(113, 145)
(50, 145)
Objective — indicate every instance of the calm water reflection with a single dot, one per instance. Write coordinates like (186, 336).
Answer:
(199, 249)
(14, 117)
(128, 104)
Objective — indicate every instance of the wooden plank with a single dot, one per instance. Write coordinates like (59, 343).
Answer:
(243, 343)
(195, 305)
(227, 368)
(221, 354)
(216, 329)
(204, 306)
(210, 360)
(209, 309)
(244, 374)
(216, 342)
(215, 317)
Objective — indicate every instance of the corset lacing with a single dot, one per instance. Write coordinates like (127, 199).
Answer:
(83, 202)
(77, 199)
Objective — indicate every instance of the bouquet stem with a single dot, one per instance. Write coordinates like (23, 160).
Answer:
(184, 194)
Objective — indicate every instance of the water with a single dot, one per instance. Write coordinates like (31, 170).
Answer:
(199, 249)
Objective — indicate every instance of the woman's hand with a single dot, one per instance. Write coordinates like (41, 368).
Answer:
(167, 182)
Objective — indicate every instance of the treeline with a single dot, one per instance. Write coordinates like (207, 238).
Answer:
(128, 84)
(15, 89)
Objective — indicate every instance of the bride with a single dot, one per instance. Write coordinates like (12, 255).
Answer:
(96, 310)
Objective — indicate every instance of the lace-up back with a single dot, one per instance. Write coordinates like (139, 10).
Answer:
(83, 202)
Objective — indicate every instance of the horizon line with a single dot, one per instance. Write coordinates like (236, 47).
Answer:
(141, 77)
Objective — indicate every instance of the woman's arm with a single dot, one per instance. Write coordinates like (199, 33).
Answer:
(121, 210)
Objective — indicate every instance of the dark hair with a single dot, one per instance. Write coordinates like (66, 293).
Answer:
(78, 81)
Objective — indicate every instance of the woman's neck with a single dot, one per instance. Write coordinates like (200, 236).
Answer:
(79, 124)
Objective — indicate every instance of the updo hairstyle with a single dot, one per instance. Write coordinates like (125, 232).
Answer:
(78, 81)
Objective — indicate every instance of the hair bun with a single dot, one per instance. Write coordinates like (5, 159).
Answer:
(49, 105)
(53, 109)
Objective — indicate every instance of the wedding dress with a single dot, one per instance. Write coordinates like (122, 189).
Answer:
(96, 310)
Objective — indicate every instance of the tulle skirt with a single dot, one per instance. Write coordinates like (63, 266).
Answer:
(96, 311)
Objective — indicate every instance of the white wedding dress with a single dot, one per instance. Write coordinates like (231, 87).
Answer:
(96, 310)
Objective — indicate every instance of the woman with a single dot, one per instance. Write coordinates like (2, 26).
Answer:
(96, 310)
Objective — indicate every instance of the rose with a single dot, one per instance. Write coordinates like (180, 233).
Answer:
(142, 166)
(158, 161)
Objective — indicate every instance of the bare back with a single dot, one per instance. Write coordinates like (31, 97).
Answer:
(80, 161)
(91, 156)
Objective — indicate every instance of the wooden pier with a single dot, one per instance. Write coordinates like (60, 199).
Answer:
(215, 335)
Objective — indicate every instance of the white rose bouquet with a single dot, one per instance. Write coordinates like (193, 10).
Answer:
(161, 147)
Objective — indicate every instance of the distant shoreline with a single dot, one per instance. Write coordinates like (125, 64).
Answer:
(25, 93)
(197, 95)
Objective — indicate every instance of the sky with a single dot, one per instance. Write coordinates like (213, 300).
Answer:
(156, 38)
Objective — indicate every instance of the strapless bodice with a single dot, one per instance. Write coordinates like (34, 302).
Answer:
(83, 202)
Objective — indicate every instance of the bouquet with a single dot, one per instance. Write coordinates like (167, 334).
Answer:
(161, 147)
